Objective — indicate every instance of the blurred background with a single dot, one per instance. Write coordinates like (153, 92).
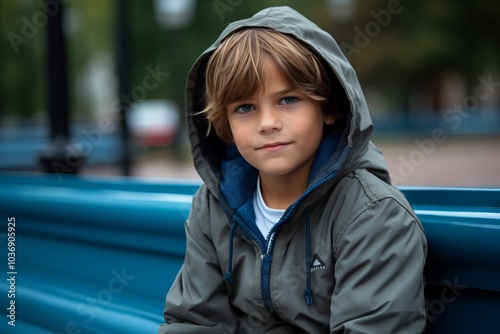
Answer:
(96, 87)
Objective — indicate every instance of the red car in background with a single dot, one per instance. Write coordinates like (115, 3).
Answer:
(154, 123)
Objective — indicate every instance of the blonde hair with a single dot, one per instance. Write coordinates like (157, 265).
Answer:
(235, 72)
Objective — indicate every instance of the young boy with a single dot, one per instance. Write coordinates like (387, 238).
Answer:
(296, 228)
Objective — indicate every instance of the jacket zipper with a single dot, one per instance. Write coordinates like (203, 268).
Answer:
(266, 258)
(265, 280)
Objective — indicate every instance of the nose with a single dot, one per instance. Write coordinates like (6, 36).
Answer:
(269, 120)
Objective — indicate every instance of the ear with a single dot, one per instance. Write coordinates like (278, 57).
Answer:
(329, 119)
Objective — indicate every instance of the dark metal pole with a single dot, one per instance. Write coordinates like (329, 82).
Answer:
(58, 89)
(59, 157)
(123, 66)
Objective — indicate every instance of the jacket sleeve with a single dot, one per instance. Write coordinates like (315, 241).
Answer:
(198, 300)
(379, 284)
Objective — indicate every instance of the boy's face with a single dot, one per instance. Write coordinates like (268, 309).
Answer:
(278, 130)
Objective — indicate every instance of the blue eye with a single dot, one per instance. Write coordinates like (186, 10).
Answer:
(289, 100)
(244, 108)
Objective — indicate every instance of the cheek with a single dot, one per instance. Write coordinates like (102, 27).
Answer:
(240, 137)
(233, 130)
(310, 127)
(312, 132)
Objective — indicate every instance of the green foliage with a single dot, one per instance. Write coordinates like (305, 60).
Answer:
(22, 60)
(425, 39)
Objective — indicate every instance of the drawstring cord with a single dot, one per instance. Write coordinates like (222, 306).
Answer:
(308, 292)
(229, 274)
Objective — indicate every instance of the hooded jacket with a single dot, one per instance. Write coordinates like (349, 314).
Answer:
(346, 257)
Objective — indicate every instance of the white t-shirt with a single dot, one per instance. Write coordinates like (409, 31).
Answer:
(265, 217)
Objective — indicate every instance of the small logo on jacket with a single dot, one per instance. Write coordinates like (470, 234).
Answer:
(317, 263)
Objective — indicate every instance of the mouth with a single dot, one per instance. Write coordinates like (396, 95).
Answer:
(273, 146)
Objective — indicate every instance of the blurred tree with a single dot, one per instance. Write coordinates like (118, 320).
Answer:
(418, 43)
(23, 58)
(90, 32)
(423, 41)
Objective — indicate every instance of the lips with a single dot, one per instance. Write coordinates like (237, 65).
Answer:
(273, 146)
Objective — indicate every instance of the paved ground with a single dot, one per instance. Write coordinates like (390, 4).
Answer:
(471, 162)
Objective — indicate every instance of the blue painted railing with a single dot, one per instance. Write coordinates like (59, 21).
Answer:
(20, 148)
(97, 255)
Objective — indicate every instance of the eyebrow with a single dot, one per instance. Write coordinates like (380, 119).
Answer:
(273, 95)
(278, 93)
(283, 92)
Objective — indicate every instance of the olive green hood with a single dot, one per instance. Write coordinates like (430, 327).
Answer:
(358, 151)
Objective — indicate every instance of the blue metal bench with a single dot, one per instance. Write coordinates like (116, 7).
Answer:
(98, 256)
